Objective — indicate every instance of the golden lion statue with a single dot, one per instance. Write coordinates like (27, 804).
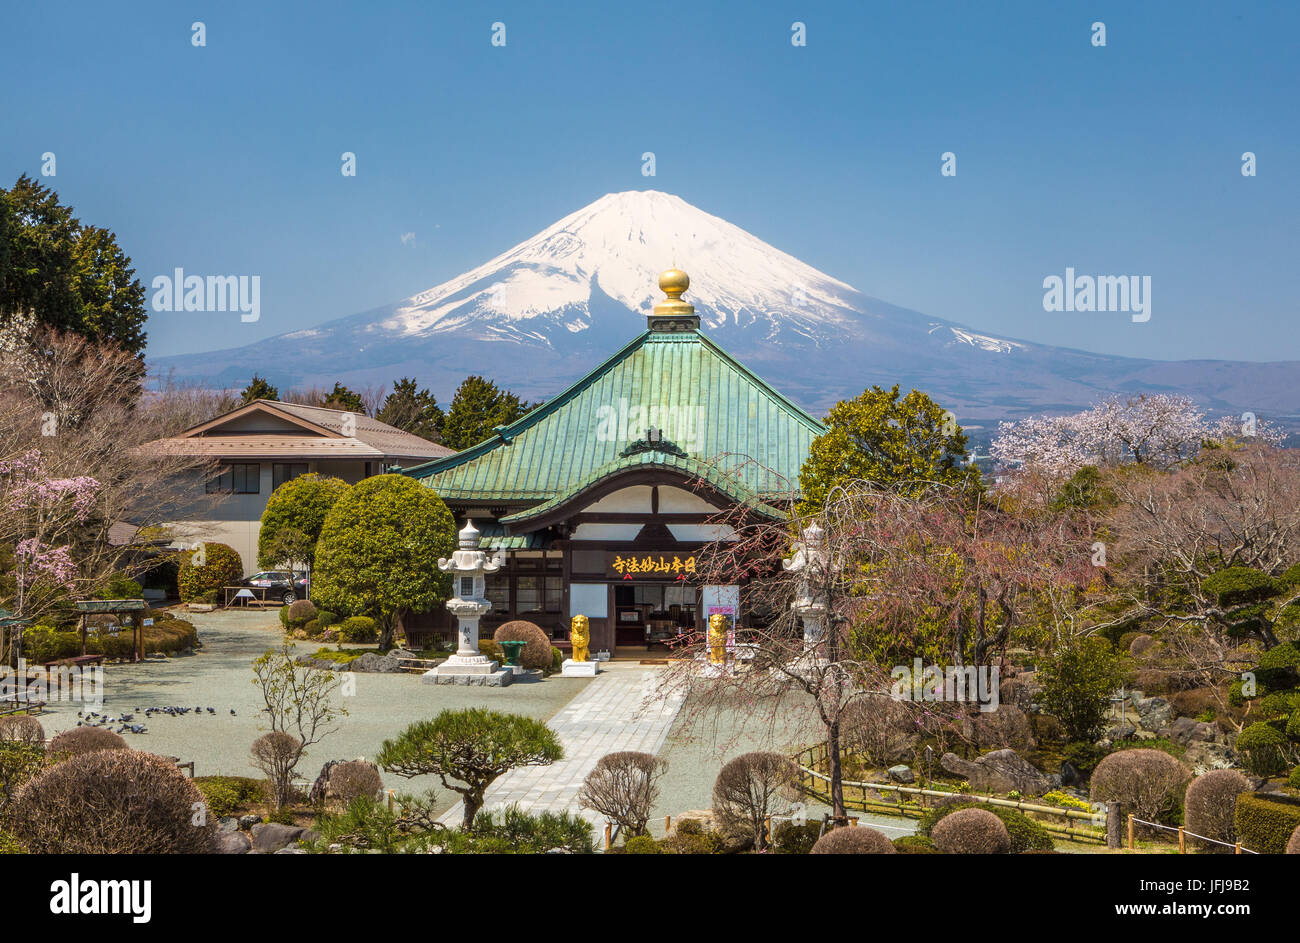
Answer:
(580, 636)
(718, 639)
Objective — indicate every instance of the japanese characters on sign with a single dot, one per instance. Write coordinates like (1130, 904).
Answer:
(631, 565)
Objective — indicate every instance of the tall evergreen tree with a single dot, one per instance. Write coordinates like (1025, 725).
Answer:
(71, 276)
(258, 388)
(342, 398)
(413, 410)
(478, 407)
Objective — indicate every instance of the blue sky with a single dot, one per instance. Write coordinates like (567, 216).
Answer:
(1119, 160)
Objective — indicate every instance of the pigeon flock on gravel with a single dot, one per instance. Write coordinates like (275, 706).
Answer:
(124, 723)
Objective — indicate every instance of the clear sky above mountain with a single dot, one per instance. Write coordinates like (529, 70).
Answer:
(1118, 160)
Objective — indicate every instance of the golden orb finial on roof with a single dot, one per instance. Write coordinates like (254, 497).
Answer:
(673, 281)
(674, 314)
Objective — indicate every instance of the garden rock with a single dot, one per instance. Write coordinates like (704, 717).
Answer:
(999, 771)
(227, 823)
(248, 821)
(901, 774)
(270, 837)
(231, 843)
(372, 662)
(1185, 730)
(1120, 732)
(1155, 712)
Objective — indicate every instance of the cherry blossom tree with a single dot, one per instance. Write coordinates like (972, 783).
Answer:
(1160, 430)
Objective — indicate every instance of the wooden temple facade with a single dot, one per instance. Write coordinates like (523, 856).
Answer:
(602, 498)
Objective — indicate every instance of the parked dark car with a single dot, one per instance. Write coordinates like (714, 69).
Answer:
(287, 586)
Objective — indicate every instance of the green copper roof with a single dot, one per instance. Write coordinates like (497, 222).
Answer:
(713, 409)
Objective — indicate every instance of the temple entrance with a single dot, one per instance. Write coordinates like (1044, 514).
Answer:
(648, 613)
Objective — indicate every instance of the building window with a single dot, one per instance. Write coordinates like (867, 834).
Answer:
(236, 479)
(282, 472)
(498, 593)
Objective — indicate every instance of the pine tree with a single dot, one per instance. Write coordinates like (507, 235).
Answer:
(72, 276)
(478, 407)
(413, 410)
(258, 388)
(342, 398)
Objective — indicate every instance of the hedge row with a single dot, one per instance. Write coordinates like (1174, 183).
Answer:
(1264, 825)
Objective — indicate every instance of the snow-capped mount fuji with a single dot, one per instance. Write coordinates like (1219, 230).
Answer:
(540, 315)
(559, 281)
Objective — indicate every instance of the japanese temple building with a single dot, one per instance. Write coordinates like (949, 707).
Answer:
(602, 497)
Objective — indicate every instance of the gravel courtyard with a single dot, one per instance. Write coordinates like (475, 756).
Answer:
(220, 676)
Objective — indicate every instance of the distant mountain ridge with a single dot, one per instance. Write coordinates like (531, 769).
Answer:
(540, 315)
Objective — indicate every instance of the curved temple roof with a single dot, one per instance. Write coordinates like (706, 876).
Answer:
(710, 415)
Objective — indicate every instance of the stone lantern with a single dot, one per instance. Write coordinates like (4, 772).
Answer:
(809, 566)
(469, 567)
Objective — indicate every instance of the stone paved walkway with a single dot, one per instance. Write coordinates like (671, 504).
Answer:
(619, 710)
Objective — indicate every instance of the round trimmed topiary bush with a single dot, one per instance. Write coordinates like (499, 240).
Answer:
(220, 566)
(1294, 779)
(1293, 843)
(536, 653)
(1211, 804)
(1263, 749)
(851, 840)
(119, 802)
(1026, 834)
(971, 832)
(355, 779)
(1140, 645)
(301, 611)
(81, 740)
(358, 630)
(21, 728)
(1148, 782)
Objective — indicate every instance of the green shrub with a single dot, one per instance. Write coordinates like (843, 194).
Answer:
(120, 586)
(641, 845)
(358, 630)
(1083, 755)
(337, 655)
(327, 618)
(1281, 657)
(557, 661)
(1077, 684)
(915, 845)
(281, 816)
(226, 795)
(221, 567)
(1294, 779)
(791, 839)
(284, 616)
(1263, 749)
(43, 643)
(492, 650)
(512, 831)
(1278, 704)
(1025, 834)
(1264, 825)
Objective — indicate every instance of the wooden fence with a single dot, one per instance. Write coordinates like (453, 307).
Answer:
(1077, 825)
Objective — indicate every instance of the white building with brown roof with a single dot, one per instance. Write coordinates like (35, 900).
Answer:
(265, 443)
